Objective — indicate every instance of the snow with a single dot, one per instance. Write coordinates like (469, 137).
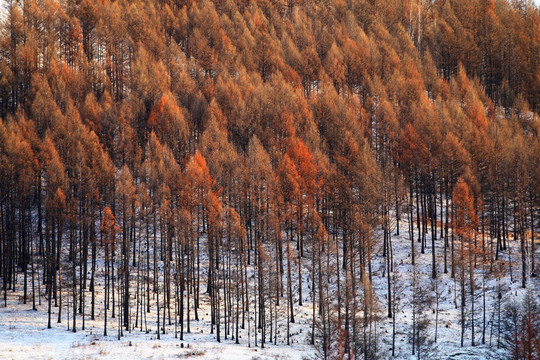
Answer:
(24, 333)
(449, 327)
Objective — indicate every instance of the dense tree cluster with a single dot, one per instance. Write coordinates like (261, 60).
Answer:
(249, 150)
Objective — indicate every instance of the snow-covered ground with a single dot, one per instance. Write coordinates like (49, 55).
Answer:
(448, 341)
(24, 333)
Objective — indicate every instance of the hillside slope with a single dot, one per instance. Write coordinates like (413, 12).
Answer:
(313, 177)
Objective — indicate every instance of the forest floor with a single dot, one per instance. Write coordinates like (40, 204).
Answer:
(24, 333)
(448, 327)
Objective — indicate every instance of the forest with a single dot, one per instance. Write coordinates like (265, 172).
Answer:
(251, 157)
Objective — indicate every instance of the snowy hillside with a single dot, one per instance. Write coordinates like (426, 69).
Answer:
(24, 331)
